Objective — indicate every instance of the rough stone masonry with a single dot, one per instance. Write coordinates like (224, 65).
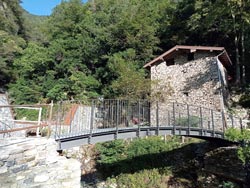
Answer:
(34, 162)
(199, 82)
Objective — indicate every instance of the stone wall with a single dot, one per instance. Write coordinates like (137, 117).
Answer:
(34, 162)
(182, 58)
(195, 83)
(6, 117)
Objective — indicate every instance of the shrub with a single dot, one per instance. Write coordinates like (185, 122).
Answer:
(227, 184)
(245, 100)
(242, 136)
(142, 179)
(126, 157)
(236, 135)
(193, 121)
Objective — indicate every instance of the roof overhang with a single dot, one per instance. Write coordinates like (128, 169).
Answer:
(223, 56)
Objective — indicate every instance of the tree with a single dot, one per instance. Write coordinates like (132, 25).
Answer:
(229, 21)
(130, 82)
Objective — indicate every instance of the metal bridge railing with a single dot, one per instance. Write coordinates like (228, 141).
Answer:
(74, 118)
(77, 118)
(86, 117)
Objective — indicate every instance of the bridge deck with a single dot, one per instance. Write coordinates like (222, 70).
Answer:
(102, 135)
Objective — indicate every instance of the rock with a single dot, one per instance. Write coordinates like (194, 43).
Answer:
(20, 168)
(20, 177)
(41, 178)
(3, 169)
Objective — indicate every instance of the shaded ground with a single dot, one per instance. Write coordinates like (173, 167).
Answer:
(181, 167)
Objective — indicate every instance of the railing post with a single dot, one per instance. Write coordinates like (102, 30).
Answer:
(241, 126)
(168, 118)
(201, 122)
(212, 118)
(223, 123)
(117, 118)
(174, 119)
(91, 120)
(139, 121)
(188, 114)
(232, 119)
(39, 121)
(157, 118)
(58, 121)
(70, 118)
(50, 118)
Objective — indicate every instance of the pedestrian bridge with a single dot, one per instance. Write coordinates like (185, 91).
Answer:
(106, 120)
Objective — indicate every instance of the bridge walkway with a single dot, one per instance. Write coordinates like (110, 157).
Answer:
(106, 120)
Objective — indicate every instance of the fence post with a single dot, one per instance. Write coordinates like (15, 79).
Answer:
(50, 118)
(39, 121)
(157, 118)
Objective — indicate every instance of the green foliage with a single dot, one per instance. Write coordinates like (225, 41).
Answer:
(10, 47)
(242, 136)
(227, 184)
(121, 156)
(235, 134)
(244, 153)
(151, 145)
(192, 121)
(26, 114)
(131, 82)
(110, 152)
(35, 27)
(84, 50)
(143, 179)
(30, 114)
(245, 100)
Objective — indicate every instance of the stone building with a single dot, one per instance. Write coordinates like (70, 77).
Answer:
(193, 75)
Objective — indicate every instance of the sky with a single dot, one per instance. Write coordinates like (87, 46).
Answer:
(40, 7)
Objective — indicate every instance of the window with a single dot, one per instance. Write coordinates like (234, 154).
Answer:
(190, 56)
(170, 62)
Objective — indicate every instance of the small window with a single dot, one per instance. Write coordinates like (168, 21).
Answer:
(185, 93)
(170, 62)
(190, 56)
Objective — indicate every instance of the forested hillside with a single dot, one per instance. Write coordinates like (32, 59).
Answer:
(86, 50)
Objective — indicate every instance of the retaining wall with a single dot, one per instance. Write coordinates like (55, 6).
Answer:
(34, 162)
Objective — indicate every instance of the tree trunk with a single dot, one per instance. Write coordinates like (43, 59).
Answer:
(243, 56)
(236, 42)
